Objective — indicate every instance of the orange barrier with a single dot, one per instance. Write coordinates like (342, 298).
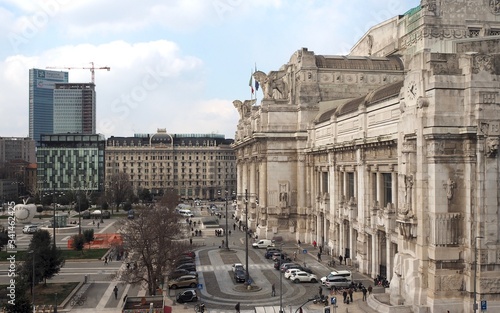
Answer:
(101, 241)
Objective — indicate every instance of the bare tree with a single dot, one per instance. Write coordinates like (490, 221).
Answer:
(120, 188)
(154, 239)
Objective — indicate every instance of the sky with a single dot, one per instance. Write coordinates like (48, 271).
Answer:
(174, 64)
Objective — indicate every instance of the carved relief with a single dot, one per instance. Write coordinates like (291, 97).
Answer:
(495, 7)
(449, 186)
(482, 62)
(283, 195)
(492, 147)
(435, 147)
(273, 85)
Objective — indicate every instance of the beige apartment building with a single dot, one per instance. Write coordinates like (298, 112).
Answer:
(388, 156)
(197, 166)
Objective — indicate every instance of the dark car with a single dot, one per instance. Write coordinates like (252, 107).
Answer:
(183, 261)
(85, 215)
(285, 266)
(106, 214)
(279, 262)
(187, 266)
(187, 296)
(269, 253)
(239, 276)
(181, 272)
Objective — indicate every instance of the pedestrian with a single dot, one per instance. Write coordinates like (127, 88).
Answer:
(340, 259)
(344, 294)
(314, 244)
(364, 293)
(93, 222)
(298, 242)
(237, 307)
(319, 256)
(105, 260)
(320, 291)
(115, 290)
(370, 288)
(295, 255)
(273, 290)
(98, 225)
(320, 249)
(350, 294)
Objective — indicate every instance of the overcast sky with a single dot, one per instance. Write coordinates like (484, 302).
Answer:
(175, 64)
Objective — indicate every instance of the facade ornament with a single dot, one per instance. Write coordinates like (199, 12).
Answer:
(482, 62)
(449, 185)
(495, 7)
(492, 146)
(273, 85)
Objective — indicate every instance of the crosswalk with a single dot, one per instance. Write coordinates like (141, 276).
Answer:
(226, 267)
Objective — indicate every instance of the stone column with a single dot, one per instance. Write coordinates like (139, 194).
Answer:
(394, 186)
(301, 181)
(389, 256)
(375, 251)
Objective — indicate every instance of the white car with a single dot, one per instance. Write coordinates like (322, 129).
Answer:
(304, 277)
(30, 229)
(237, 267)
(290, 272)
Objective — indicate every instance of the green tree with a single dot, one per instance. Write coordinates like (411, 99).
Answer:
(22, 302)
(78, 242)
(88, 234)
(48, 259)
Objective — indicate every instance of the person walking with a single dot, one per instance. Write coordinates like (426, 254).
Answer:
(314, 244)
(364, 293)
(115, 290)
(370, 288)
(319, 256)
(344, 294)
(273, 290)
(350, 294)
(340, 259)
(105, 260)
(237, 307)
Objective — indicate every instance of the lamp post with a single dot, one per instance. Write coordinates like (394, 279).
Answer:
(227, 229)
(247, 275)
(475, 272)
(33, 281)
(281, 286)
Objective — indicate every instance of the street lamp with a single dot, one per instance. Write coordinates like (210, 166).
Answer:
(281, 285)
(475, 272)
(247, 275)
(227, 238)
(33, 281)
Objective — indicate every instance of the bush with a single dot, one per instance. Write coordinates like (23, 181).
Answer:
(78, 242)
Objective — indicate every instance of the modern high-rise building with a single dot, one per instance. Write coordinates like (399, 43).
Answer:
(74, 108)
(41, 100)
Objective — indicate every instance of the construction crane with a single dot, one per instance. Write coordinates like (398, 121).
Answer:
(92, 69)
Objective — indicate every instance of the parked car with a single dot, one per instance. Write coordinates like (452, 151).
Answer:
(304, 277)
(239, 276)
(106, 214)
(30, 229)
(286, 266)
(187, 266)
(187, 296)
(289, 272)
(263, 243)
(269, 253)
(237, 267)
(183, 281)
(191, 254)
(279, 262)
(181, 261)
(85, 215)
(181, 272)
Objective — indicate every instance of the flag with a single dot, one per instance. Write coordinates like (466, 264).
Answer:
(250, 84)
(256, 82)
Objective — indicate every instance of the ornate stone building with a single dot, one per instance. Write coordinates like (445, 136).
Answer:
(388, 155)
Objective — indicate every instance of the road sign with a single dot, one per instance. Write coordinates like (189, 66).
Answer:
(200, 286)
(333, 300)
(304, 251)
(484, 305)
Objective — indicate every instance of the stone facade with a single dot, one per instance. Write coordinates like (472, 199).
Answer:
(388, 156)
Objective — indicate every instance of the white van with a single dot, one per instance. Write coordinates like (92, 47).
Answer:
(186, 213)
(263, 243)
(334, 274)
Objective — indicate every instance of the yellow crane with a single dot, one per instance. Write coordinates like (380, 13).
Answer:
(92, 69)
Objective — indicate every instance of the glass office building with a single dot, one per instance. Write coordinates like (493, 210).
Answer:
(41, 101)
